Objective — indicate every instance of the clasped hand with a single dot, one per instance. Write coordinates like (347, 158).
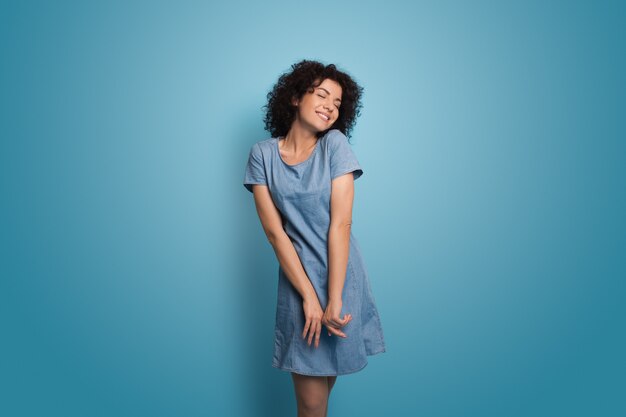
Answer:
(315, 317)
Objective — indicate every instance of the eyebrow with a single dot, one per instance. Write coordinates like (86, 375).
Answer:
(328, 92)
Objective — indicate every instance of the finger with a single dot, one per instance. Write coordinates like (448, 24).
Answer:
(311, 333)
(346, 319)
(338, 322)
(335, 322)
(317, 335)
(336, 331)
(306, 328)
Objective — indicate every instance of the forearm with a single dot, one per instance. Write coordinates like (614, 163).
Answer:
(291, 265)
(338, 251)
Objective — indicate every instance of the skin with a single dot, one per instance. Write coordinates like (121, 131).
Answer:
(312, 392)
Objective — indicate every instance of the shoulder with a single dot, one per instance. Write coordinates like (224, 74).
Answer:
(337, 142)
(335, 138)
(261, 147)
(334, 135)
(263, 144)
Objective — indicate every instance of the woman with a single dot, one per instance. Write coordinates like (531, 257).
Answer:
(302, 179)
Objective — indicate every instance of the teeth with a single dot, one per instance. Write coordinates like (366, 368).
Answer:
(324, 116)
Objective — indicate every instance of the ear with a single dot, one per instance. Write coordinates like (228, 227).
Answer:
(294, 101)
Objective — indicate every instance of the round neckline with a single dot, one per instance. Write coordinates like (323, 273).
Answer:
(299, 163)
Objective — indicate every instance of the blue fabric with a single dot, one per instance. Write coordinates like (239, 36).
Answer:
(301, 192)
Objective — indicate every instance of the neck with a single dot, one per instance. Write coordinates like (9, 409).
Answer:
(299, 138)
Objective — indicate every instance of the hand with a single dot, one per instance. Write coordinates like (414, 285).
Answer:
(313, 319)
(331, 318)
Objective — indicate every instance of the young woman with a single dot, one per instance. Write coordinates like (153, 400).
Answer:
(302, 179)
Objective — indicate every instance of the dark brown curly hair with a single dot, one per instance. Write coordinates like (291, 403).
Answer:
(303, 77)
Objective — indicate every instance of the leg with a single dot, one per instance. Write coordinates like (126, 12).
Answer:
(311, 394)
(331, 382)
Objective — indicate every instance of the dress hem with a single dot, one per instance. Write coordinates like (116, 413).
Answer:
(288, 369)
(297, 371)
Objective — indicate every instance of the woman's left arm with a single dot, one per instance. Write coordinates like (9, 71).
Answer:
(341, 198)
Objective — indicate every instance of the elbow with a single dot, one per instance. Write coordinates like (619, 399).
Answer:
(272, 237)
(343, 225)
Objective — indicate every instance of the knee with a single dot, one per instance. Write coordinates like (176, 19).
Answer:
(313, 404)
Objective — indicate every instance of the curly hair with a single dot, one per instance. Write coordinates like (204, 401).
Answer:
(303, 77)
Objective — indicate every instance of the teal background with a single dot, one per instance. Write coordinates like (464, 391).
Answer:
(136, 278)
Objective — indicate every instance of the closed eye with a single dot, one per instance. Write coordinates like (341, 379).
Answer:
(319, 95)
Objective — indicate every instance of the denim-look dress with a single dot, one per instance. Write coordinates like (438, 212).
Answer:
(301, 192)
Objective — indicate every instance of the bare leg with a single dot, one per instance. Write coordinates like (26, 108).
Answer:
(331, 382)
(311, 395)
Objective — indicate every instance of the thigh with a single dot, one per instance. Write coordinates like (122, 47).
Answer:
(331, 382)
(310, 389)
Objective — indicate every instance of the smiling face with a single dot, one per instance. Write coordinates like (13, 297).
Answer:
(319, 107)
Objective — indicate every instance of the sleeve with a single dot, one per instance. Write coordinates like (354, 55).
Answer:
(255, 168)
(342, 158)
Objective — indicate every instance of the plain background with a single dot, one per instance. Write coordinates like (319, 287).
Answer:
(136, 279)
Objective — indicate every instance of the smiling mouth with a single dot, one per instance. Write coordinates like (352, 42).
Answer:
(323, 117)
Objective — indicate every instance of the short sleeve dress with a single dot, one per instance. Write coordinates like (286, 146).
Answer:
(301, 193)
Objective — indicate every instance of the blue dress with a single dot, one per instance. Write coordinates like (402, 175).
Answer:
(301, 193)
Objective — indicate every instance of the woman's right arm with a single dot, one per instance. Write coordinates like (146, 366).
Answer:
(283, 247)
(289, 261)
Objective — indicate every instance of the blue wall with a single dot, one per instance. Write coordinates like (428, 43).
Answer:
(136, 279)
